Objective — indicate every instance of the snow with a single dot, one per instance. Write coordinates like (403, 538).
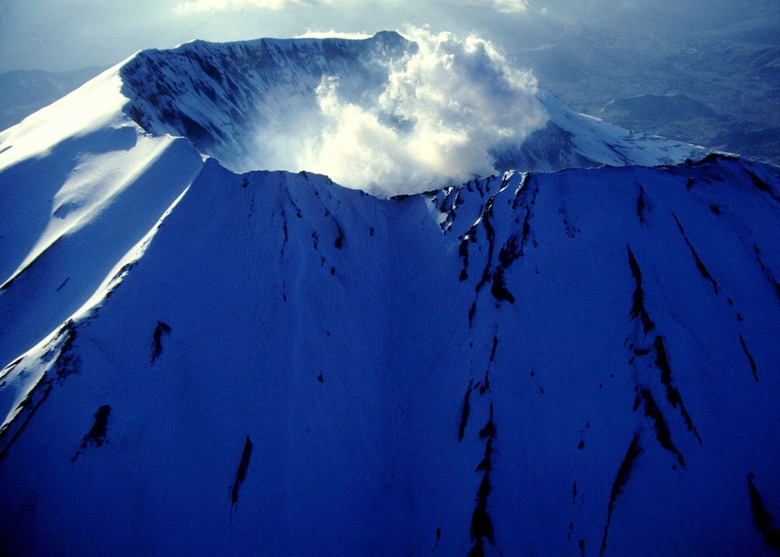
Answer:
(341, 334)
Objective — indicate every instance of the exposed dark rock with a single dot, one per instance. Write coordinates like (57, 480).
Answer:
(510, 251)
(753, 367)
(490, 232)
(498, 288)
(493, 349)
(672, 394)
(481, 523)
(641, 205)
(662, 431)
(464, 413)
(243, 466)
(472, 311)
(699, 264)
(764, 522)
(157, 340)
(621, 480)
(97, 433)
(463, 250)
(638, 306)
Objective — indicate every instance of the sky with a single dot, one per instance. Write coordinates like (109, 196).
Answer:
(58, 35)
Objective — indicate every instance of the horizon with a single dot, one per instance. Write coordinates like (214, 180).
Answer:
(32, 35)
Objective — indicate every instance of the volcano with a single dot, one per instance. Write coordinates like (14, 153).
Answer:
(572, 353)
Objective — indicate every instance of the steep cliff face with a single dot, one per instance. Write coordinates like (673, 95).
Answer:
(568, 363)
(221, 96)
(240, 101)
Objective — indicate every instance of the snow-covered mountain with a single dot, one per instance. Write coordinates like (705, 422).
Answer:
(205, 362)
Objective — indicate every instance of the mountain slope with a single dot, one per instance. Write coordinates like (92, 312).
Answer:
(81, 185)
(200, 361)
(552, 371)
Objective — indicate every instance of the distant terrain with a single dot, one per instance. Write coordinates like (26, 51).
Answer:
(717, 88)
(23, 92)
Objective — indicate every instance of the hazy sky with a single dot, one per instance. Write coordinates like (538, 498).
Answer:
(67, 34)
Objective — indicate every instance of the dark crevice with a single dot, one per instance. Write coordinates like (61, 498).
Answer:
(97, 433)
(766, 271)
(472, 311)
(157, 340)
(243, 466)
(486, 461)
(753, 367)
(285, 234)
(464, 413)
(298, 212)
(662, 432)
(672, 394)
(638, 306)
(489, 431)
(64, 282)
(641, 205)
(699, 264)
(764, 522)
(493, 349)
(491, 238)
(481, 523)
(485, 385)
(623, 475)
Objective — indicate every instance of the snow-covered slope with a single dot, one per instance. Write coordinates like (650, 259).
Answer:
(205, 362)
(539, 364)
(80, 185)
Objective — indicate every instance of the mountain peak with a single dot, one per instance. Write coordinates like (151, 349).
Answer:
(370, 113)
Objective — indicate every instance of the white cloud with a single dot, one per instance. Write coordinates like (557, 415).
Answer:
(437, 119)
(332, 33)
(503, 6)
(510, 6)
(226, 5)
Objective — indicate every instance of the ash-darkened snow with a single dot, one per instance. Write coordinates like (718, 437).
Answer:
(573, 354)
